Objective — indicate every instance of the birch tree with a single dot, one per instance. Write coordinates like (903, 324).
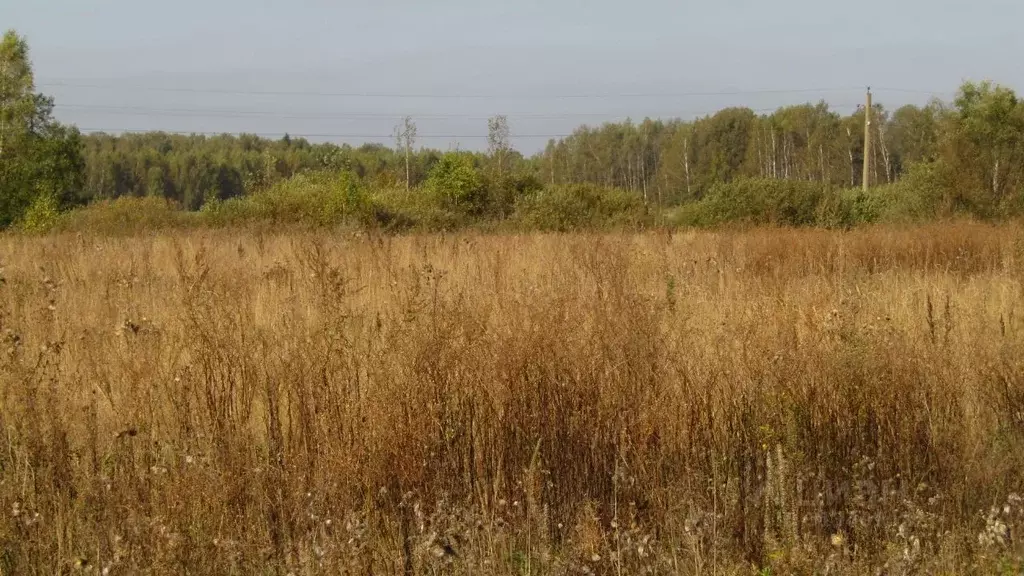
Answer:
(405, 138)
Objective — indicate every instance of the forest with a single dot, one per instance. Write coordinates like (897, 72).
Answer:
(668, 162)
(963, 156)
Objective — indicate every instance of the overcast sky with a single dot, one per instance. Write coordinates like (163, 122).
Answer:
(346, 70)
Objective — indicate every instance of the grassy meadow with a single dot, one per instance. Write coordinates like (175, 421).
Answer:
(768, 401)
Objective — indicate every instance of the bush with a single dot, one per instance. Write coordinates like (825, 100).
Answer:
(397, 209)
(921, 194)
(456, 195)
(317, 199)
(502, 192)
(42, 215)
(126, 215)
(456, 183)
(760, 201)
(577, 206)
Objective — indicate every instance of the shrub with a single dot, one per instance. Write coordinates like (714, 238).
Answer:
(42, 215)
(316, 199)
(397, 209)
(502, 192)
(758, 201)
(564, 208)
(921, 194)
(456, 183)
(127, 215)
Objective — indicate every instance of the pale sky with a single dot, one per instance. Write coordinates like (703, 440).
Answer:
(344, 71)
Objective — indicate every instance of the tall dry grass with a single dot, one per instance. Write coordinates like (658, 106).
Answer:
(693, 403)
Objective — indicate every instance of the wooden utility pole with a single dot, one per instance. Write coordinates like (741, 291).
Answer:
(867, 142)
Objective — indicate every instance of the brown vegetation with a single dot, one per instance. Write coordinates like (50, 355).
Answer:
(695, 403)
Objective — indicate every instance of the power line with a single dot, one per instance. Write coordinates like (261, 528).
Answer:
(914, 91)
(297, 135)
(237, 92)
(336, 135)
(236, 113)
(225, 113)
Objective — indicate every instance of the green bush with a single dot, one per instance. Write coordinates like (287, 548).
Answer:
(42, 215)
(502, 192)
(455, 182)
(577, 206)
(316, 199)
(759, 201)
(921, 194)
(126, 215)
(456, 195)
(399, 209)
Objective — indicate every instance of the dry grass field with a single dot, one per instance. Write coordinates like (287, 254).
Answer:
(756, 402)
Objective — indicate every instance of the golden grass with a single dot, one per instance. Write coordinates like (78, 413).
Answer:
(689, 403)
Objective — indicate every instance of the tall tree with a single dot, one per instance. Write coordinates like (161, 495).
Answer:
(913, 133)
(987, 143)
(38, 156)
(498, 136)
(17, 100)
(723, 140)
(676, 161)
(405, 138)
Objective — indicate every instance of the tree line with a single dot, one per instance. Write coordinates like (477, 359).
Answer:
(979, 135)
(975, 144)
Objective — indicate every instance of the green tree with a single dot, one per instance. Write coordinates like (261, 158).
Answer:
(676, 162)
(800, 143)
(986, 144)
(38, 156)
(155, 182)
(17, 101)
(723, 140)
(913, 132)
(456, 180)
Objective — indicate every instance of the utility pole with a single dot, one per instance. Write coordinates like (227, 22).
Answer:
(867, 142)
